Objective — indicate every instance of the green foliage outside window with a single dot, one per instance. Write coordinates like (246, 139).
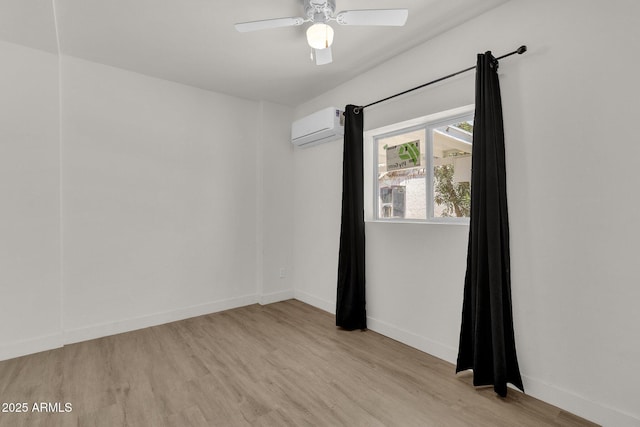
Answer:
(455, 197)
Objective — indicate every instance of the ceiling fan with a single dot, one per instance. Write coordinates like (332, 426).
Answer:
(320, 33)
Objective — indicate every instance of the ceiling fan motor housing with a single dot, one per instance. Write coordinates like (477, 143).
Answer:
(319, 10)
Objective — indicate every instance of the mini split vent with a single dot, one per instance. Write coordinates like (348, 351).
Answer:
(322, 126)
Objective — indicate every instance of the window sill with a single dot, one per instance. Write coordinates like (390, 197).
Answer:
(458, 222)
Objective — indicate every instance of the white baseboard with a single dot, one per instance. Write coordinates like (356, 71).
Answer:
(414, 340)
(578, 405)
(117, 327)
(70, 336)
(549, 393)
(322, 304)
(386, 329)
(30, 346)
(546, 392)
(276, 297)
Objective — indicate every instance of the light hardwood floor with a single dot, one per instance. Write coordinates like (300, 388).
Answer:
(283, 364)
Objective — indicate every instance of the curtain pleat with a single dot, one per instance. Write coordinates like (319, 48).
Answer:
(487, 342)
(350, 301)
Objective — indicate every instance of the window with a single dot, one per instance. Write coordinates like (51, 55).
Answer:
(422, 169)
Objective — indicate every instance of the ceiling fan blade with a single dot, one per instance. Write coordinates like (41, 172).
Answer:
(323, 56)
(390, 17)
(265, 24)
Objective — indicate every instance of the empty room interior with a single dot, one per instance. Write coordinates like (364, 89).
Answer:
(182, 239)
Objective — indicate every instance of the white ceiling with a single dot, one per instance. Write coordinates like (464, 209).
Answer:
(194, 41)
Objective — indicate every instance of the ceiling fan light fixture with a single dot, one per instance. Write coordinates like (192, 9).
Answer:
(320, 36)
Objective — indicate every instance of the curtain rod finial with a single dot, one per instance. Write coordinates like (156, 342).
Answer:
(522, 49)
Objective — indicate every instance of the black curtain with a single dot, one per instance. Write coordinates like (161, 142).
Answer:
(350, 302)
(487, 343)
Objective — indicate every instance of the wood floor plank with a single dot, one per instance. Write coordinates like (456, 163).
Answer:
(284, 364)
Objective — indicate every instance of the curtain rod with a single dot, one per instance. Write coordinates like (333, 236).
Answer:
(522, 49)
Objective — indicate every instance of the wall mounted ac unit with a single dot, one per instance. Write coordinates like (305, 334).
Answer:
(322, 126)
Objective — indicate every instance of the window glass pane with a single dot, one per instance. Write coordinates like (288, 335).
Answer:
(402, 176)
(452, 169)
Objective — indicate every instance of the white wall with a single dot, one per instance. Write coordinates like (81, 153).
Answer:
(571, 186)
(275, 203)
(316, 228)
(29, 201)
(129, 201)
(159, 200)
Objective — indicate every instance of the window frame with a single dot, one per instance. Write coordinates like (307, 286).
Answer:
(428, 123)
